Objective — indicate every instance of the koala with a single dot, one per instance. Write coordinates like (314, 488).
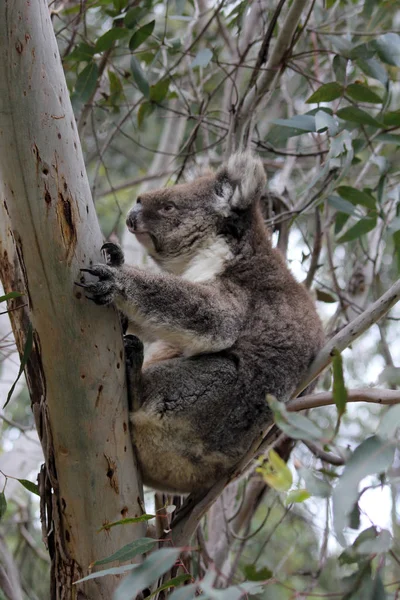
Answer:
(225, 320)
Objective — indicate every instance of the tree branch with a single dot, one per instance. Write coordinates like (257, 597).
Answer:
(375, 396)
(257, 94)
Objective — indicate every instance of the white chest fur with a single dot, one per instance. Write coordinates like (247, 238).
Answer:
(208, 262)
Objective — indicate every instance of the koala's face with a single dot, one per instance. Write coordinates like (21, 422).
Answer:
(173, 223)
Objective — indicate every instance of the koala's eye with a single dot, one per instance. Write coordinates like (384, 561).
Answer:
(167, 208)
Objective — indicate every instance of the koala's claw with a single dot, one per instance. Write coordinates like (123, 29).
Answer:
(113, 254)
(102, 291)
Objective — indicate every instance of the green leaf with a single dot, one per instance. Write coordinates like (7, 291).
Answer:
(300, 122)
(10, 296)
(3, 504)
(364, 51)
(340, 221)
(362, 93)
(316, 486)
(140, 77)
(297, 496)
(341, 205)
(361, 228)
(145, 109)
(24, 360)
(252, 574)
(373, 68)
(388, 138)
(174, 582)
(388, 48)
(392, 119)
(356, 196)
(276, 473)
(372, 456)
(356, 115)
(128, 521)
(147, 573)
(30, 486)
(159, 90)
(112, 571)
(339, 391)
(82, 52)
(133, 16)
(202, 58)
(141, 35)
(293, 424)
(107, 40)
(86, 82)
(339, 67)
(135, 548)
(326, 93)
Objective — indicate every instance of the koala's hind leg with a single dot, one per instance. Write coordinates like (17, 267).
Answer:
(133, 363)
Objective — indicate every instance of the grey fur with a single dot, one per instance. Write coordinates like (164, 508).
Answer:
(229, 329)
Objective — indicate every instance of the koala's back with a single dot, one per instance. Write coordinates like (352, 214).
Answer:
(203, 412)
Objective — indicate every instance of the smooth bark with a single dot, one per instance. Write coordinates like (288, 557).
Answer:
(76, 373)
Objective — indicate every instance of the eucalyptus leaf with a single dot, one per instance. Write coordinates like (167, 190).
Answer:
(316, 486)
(293, 424)
(341, 205)
(253, 574)
(3, 504)
(112, 571)
(24, 360)
(10, 296)
(171, 583)
(326, 93)
(140, 77)
(86, 82)
(30, 486)
(188, 592)
(300, 122)
(356, 115)
(108, 39)
(147, 573)
(297, 496)
(356, 196)
(390, 423)
(361, 228)
(372, 456)
(339, 390)
(388, 48)
(362, 93)
(141, 35)
(128, 521)
(129, 551)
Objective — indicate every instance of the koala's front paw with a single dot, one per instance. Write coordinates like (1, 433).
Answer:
(106, 288)
(113, 254)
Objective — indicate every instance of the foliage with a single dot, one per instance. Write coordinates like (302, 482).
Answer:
(161, 87)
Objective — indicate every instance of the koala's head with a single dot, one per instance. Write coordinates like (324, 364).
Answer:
(174, 223)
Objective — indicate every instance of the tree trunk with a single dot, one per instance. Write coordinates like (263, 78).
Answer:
(76, 371)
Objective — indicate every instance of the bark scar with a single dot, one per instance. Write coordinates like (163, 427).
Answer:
(112, 473)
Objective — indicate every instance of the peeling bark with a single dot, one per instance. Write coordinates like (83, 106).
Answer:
(75, 373)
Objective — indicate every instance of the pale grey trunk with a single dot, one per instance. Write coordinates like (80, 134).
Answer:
(76, 374)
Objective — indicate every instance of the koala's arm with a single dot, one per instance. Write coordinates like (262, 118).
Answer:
(196, 317)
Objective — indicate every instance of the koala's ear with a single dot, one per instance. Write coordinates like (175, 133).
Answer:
(240, 181)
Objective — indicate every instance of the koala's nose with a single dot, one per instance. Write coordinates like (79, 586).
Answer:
(131, 219)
